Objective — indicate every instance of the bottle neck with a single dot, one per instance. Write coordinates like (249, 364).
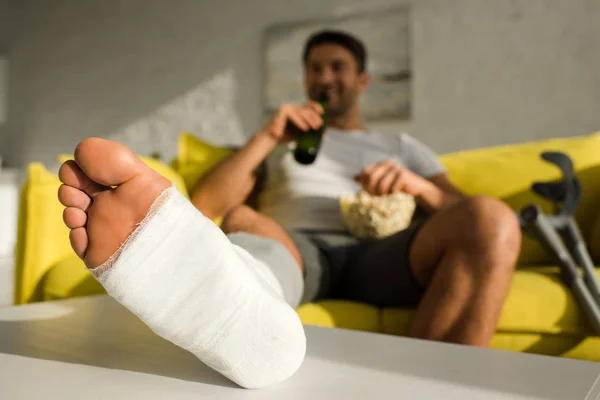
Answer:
(324, 116)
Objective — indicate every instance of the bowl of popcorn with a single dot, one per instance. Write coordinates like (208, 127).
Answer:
(368, 216)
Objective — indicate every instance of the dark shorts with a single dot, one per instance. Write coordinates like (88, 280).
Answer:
(375, 272)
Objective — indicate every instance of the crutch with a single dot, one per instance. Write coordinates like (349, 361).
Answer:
(551, 230)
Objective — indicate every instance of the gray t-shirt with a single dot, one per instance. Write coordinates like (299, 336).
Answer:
(307, 197)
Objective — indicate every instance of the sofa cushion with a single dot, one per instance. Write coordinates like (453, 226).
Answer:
(70, 278)
(195, 157)
(503, 171)
(43, 238)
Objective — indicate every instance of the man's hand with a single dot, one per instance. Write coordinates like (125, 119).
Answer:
(387, 177)
(306, 117)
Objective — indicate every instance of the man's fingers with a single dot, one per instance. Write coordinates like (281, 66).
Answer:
(278, 123)
(385, 183)
(398, 184)
(363, 176)
(381, 178)
(315, 106)
(298, 120)
(373, 178)
(311, 117)
(304, 118)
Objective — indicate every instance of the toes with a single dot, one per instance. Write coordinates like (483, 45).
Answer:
(109, 163)
(74, 217)
(70, 174)
(79, 241)
(70, 196)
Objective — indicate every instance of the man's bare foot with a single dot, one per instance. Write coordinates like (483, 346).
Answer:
(107, 191)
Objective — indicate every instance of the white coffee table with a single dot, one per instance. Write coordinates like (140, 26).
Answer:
(92, 348)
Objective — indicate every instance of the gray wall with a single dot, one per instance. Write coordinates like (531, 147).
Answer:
(5, 40)
(485, 72)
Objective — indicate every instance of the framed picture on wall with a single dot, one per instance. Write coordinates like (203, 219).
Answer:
(385, 34)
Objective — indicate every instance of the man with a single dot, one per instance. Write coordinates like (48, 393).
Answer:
(455, 266)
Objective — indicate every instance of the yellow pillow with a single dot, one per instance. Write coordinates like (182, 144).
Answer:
(157, 166)
(70, 278)
(503, 171)
(195, 157)
(43, 238)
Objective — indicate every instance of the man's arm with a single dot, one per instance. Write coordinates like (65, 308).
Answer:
(230, 183)
(439, 193)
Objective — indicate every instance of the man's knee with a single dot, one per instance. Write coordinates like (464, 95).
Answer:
(490, 226)
(238, 219)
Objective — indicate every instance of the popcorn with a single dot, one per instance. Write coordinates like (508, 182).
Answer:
(369, 216)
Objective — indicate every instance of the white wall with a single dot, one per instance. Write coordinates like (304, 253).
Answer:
(485, 72)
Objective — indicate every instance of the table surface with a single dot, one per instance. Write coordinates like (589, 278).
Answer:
(93, 348)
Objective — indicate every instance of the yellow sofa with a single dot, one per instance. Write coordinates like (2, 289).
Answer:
(540, 315)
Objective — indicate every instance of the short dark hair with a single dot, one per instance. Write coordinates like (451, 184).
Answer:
(347, 41)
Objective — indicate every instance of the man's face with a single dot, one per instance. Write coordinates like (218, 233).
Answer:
(332, 68)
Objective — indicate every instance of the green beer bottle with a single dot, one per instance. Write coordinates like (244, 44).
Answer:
(309, 142)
